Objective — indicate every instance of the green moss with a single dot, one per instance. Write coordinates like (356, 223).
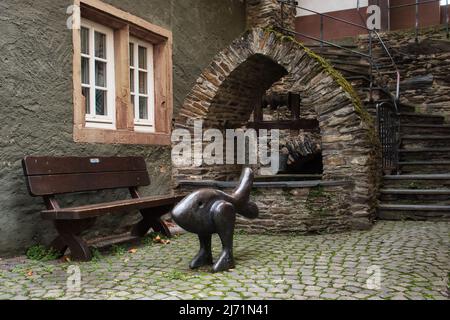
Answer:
(339, 78)
(41, 253)
(318, 201)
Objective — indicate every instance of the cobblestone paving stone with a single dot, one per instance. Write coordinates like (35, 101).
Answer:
(412, 259)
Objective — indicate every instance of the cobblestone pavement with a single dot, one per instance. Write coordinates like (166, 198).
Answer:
(410, 258)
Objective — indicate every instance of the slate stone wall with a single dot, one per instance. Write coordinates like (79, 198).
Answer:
(321, 208)
(226, 91)
(424, 68)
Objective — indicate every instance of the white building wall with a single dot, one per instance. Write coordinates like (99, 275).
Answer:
(324, 6)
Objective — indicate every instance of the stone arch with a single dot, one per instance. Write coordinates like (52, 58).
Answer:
(224, 94)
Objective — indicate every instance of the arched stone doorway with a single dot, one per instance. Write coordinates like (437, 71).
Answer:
(227, 89)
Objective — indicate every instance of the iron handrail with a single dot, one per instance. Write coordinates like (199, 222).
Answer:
(412, 4)
(368, 56)
(417, 4)
(327, 42)
(397, 71)
(325, 15)
(388, 124)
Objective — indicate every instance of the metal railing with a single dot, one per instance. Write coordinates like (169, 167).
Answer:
(372, 34)
(389, 133)
(387, 112)
(417, 5)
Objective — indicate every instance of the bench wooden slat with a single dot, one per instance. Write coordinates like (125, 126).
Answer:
(47, 185)
(35, 166)
(95, 210)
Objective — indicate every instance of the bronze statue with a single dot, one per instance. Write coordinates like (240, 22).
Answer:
(209, 211)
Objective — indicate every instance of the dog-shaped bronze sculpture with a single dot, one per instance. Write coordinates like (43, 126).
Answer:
(208, 211)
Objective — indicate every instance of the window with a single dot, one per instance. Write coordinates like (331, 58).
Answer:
(122, 69)
(97, 74)
(142, 84)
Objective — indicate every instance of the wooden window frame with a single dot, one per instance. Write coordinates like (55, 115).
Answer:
(143, 124)
(126, 25)
(93, 120)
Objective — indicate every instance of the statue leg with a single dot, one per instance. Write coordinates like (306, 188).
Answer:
(224, 220)
(204, 256)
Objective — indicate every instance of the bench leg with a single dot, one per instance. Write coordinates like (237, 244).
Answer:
(59, 245)
(151, 219)
(69, 237)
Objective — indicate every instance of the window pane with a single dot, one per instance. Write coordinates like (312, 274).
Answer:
(84, 40)
(100, 103)
(142, 82)
(100, 74)
(86, 94)
(132, 80)
(142, 57)
(132, 102)
(132, 54)
(85, 70)
(143, 108)
(100, 45)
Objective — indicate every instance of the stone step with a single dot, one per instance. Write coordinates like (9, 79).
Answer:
(362, 64)
(351, 71)
(415, 196)
(413, 212)
(424, 141)
(406, 108)
(424, 154)
(401, 107)
(420, 118)
(425, 167)
(442, 129)
(417, 181)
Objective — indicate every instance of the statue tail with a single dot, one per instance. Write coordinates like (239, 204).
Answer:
(241, 196)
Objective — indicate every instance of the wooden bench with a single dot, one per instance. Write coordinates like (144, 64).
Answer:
(51, 176)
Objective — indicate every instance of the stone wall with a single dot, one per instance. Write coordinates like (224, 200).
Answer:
(267, 13)
(310, 207)
(224, 97)
(424, 68)
(36, 104)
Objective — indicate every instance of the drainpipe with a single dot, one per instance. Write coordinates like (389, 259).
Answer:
(417, 21)
(389, 14)
(446, 18)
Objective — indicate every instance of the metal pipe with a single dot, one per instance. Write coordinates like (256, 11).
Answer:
(327, 43)
(413, 4)
(321, 31)
(325, 15)
(447, 19)
(389, 14)
(371, 66)
(417, 22)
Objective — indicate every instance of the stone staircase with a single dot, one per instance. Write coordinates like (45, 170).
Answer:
(421, 189)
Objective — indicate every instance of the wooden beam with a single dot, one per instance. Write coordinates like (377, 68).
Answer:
(124, 107)
(299, 124)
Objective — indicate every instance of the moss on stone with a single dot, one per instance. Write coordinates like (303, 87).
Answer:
(339, 78)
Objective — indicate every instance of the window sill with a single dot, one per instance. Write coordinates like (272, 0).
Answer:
(105, 136)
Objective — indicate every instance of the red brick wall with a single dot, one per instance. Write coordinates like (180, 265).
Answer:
(402, 18)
